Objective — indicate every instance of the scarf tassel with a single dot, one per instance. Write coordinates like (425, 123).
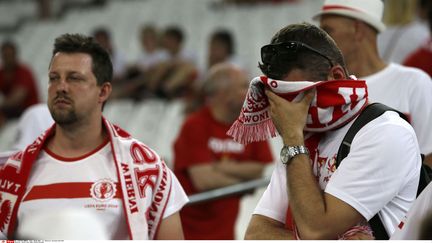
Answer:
(252, 133)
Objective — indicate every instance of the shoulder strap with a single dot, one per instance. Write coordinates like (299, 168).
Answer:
(371, 112)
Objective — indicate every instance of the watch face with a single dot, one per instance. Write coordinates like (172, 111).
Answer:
(284, 155)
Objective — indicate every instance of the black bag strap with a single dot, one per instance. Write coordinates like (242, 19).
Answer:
(368, 114)
(425, 176)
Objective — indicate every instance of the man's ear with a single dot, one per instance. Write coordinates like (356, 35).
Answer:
(336, 72)
(105, 92)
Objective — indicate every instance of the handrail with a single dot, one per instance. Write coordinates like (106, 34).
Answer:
(236, 189)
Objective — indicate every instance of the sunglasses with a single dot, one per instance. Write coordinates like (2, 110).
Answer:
(287, 51)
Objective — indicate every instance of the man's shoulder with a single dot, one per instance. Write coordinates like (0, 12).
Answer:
(389, 124)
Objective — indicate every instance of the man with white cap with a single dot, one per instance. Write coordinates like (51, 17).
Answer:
(354, 25)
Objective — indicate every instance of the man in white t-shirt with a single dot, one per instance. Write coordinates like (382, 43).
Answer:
(355, 25)
(115, 187)
(308, 197)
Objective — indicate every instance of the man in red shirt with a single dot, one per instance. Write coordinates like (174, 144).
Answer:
(17, 85)
(206, 158)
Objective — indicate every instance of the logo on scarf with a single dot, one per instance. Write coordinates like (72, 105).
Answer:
(5, 212)
(103, 190)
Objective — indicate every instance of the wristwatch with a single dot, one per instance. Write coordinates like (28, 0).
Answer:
(289, 152)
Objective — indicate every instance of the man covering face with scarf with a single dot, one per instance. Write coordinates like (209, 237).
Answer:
(308, 97)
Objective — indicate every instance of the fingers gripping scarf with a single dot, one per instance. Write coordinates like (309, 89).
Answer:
(336, 102)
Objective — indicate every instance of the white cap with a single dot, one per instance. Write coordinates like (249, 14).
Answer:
(368, 11)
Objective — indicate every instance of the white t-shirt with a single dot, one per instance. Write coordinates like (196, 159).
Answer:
(411, 225)
(380, 174)
(408, 90)
(87, 188)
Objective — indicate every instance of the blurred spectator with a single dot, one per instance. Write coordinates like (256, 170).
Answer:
(168, 73)
(206, 158)
(221, 48)
(406, 29)
(422, 57)
(355, 25)
(135, 85)
(17, 84)
(103, 37)
(175, 77)
(151, 53)
(44, 8)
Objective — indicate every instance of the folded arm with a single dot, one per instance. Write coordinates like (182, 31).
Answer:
(264, 228)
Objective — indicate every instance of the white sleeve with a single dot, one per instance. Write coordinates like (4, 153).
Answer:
(177, 199)
(421, 110)
(384, 161)
(274, 201)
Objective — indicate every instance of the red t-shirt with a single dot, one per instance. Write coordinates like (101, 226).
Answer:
(203, 140)
(22, 77)
(421, 58)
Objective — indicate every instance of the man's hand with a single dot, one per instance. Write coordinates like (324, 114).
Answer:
(290, 117)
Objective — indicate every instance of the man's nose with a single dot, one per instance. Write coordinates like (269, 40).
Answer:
(62, 85)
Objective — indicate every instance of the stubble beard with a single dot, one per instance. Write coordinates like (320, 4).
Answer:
(64, 117)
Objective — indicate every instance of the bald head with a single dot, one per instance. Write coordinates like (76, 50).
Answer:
(221, 77)
(225, 89)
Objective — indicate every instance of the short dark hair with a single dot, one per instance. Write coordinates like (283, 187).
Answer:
(317, 66)
(174, 32)
(8, 44)
(102, 31)
(76, 43)
(226, 38)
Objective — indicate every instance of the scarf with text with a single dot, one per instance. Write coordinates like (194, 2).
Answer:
(336, 102)
(144, 179)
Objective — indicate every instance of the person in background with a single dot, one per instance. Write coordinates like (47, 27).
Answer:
(103, 37)
(422, 57)
(221, 48)
(151, 54)
(85, 166)
(355, 25)
(175, 77)
(308, 197)
(135, 85)
(206, 158)
(406, 29)
(18, 87)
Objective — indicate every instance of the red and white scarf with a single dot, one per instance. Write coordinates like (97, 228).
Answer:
(336, 102)
(144, 179)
